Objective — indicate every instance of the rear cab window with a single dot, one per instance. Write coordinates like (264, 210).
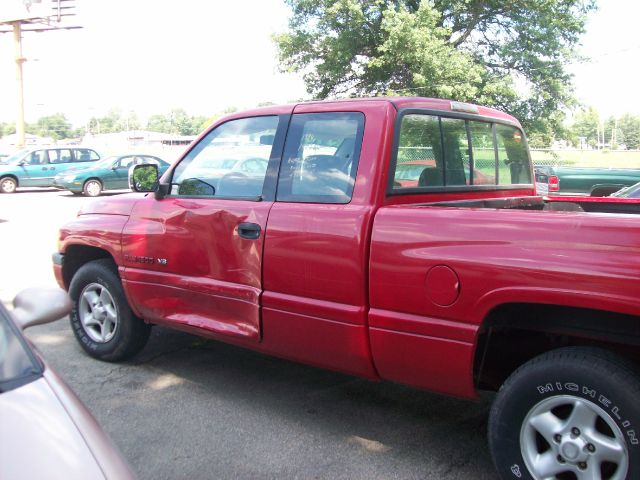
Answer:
(449, 152)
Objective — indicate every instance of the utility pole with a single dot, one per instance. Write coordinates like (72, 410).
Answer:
(17, 44)
(19, 16)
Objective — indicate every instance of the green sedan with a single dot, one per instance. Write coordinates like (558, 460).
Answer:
(111, 173)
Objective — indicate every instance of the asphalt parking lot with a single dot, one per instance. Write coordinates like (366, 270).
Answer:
(191, 408)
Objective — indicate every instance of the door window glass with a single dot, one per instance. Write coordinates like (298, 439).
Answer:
(321, 158)
(125, 162)
(60, 156)
(513, 156)
(231, 161)
(86, 155)
(39, 157)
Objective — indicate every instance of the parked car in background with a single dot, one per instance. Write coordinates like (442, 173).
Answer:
(36, 167)
(110, 173)
(625, 200)
(541, 180)
(413, 173)
(632, 191)
(46, 430)
(580, 181)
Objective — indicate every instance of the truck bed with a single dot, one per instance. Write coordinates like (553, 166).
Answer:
(438, 270)
(575, 204)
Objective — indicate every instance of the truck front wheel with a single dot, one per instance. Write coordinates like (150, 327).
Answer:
(101, 318)
(569, 413)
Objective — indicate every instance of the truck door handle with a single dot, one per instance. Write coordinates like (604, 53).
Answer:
(250, 231)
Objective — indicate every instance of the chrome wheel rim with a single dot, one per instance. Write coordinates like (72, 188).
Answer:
(93, 188)
(8, 185)
(98, 313)
(566, 434)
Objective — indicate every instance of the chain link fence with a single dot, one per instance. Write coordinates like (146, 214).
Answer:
(541, 157)
(483, 157)
(586, 158)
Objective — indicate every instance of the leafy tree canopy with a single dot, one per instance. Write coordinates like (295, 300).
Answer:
(483, 51)
(55, 126)
(629, 125)
(177, 122)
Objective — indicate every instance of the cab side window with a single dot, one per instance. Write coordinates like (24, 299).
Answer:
(321, 158)
(230, 162)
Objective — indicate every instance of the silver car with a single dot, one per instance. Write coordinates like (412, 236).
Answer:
(45, 430)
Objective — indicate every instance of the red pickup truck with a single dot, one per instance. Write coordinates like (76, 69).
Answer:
(390, 238)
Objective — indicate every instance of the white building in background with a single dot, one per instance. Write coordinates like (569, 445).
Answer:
(9, 141)
(164, 145)
(135, 138)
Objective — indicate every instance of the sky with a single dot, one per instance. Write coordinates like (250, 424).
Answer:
(149, 57)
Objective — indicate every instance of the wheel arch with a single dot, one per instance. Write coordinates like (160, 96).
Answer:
(12, 176)
(97, 179)
(78, 255)
(513, 333)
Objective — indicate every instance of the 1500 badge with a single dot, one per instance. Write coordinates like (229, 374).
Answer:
(145, 260)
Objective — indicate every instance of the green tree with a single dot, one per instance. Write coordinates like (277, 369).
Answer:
(128, 122)
(159, 123)
(55, 126)
(176, 122)
(483, 51)
(7, 129)
(629, 125)
(609, 125)
(109, 123)
(585, 125)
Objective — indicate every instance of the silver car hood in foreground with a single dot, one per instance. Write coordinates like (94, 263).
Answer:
(46, 433)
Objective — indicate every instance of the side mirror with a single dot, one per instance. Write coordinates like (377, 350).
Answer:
(36, 306)
(144, 178)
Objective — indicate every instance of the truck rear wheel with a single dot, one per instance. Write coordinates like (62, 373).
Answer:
(570, 413)
(101, 318)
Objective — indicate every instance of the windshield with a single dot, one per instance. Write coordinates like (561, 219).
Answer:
(628, 192)
(103, 163)
(16, 157)
(17, 365)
